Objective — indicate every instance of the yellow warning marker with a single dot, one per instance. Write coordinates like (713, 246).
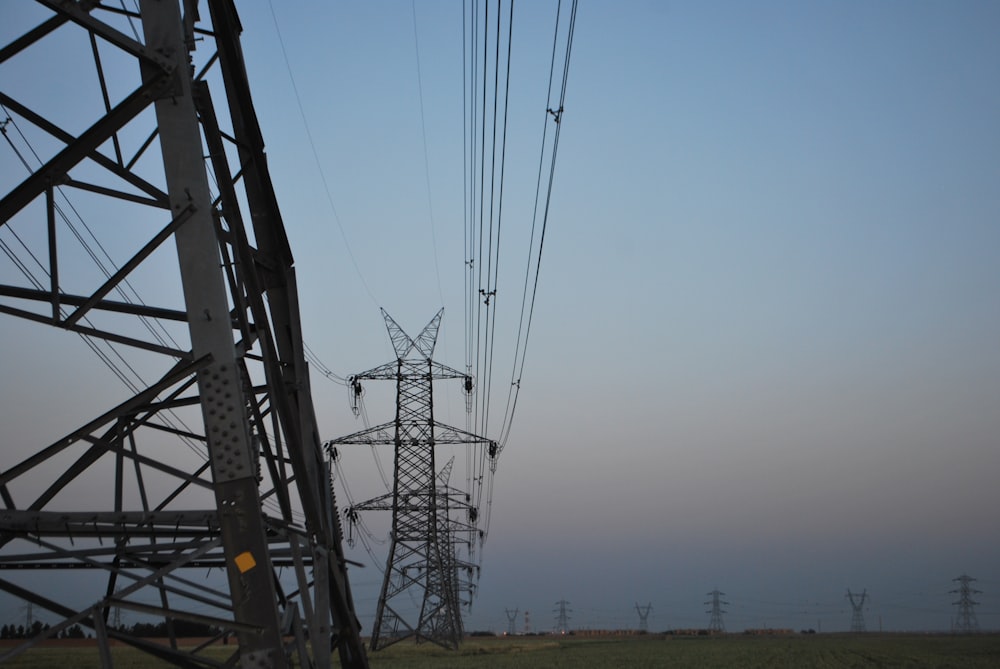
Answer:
(245, 562)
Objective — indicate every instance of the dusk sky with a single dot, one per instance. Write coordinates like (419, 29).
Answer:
(765, 355)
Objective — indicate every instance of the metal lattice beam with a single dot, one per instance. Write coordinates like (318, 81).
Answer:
(857, 610)
(422, 565)
(966, 623)
(218, 463)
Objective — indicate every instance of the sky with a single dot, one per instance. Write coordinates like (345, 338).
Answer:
(764, 352)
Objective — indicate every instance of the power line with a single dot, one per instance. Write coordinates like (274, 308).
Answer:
(486, 108)
(314, 360)
(315, 154)
(527, 316)
(423, 133)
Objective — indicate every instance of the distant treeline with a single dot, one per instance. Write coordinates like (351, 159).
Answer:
(181, 628)
(37, 627)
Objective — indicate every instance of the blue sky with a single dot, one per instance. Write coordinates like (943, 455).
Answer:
(765, 350)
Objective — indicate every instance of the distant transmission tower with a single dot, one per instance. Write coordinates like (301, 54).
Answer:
(966, 623)
(715, 623)
(511, 621)
(420, 587)
(858, 616)
(527, 622)
(643, 612)
(562, 616)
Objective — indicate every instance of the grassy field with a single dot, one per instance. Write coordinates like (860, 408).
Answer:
(799, 652)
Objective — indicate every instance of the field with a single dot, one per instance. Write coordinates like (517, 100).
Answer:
(826, 651)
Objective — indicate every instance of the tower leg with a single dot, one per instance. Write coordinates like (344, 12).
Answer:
(224, 404)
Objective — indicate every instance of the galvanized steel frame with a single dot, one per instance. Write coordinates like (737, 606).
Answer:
(245, 368)
(422, 562)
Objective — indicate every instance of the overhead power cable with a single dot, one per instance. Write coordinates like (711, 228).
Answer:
(315, 154)
(556, 116)
(317, 364)
(486, 87)
(427, 167)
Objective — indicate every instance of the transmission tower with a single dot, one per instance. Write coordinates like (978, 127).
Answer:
(857, 615)
(216, 462)
(715, 622)
(643, 612)
(562, 616)
(967, 622)
(511, 621)
(420, 587)
(527, 622)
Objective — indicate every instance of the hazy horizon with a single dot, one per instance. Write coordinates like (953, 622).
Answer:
(765, 350)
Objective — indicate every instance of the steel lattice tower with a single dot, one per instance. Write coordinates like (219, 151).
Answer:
(857, 614)
(216, 463)
(643, 612)
(562, 616)
(715, 623)
(422, 564)
(511, 621)
(967, 622)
